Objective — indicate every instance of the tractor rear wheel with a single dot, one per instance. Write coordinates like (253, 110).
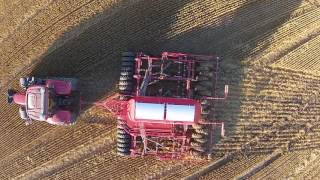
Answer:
(123, 139)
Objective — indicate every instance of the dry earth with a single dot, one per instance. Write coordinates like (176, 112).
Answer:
(271, 62)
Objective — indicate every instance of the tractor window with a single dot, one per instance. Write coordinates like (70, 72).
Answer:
(31, 101)
(149, 111)
(180, 112)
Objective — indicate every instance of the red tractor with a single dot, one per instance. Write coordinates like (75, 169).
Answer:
(54, 100)
(164, 107)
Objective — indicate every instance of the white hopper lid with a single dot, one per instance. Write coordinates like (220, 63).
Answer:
(149, 111)
(180, 112)
(152, 111)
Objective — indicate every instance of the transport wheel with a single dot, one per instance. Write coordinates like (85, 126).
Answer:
(203, 131)
(124, 78)
(127, 63)
(126, 81)
(123, 136)
(128, 54)
(197, 146)
(196, 154)
(123, 140)
(199, 137)
(123, 151)
(203, 87)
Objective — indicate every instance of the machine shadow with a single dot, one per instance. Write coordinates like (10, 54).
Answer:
(245, 33)
(94, 55)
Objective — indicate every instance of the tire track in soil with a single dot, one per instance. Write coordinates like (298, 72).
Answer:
(35, 10)
(289, 51)
(71, 157)
(11, 112)
(49, 29)
(275, 165)
(49, 146)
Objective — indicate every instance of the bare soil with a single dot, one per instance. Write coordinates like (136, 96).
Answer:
(270, 52)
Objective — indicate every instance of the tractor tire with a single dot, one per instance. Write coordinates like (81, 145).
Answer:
(123, 136)
(123, 144)
(201, 141)
(205, 111)
(123, 151)
(127, 59)
(23, 113)
(197, 126)
(126, 73)
(123, 139)
(125, 89)
(124, 97)
(120, 130)
(125, 78)
(198, 146)
(196, 135)
(203, 131)
(196, 154)
(126, 82)
(199, 138)
(11, 93)
(126, 69)
(205, 103)
(127, 64)
(203, 87)
(128, 54)
(23, 83)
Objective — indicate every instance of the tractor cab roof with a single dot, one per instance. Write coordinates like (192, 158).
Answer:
(37, 102)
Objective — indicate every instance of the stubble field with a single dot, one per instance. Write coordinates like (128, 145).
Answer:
(270, 52)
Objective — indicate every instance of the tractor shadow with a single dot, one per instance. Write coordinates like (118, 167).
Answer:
(93, 56)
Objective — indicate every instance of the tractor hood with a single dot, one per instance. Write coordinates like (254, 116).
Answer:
(37, 102)
(20, 98)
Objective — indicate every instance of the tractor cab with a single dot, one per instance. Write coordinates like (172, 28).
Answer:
(37, 103)
(54, 100)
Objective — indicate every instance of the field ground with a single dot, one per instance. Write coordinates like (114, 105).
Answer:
(271, 63)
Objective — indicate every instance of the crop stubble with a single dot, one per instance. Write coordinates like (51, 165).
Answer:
(266, 102)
